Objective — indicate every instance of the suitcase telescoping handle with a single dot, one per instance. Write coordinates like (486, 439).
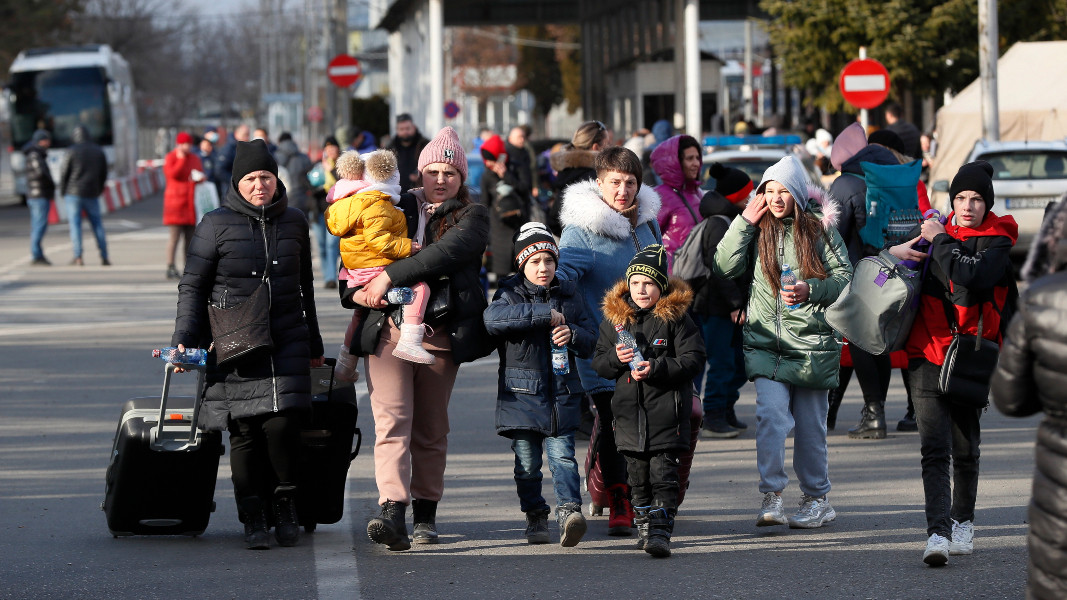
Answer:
(157, 431)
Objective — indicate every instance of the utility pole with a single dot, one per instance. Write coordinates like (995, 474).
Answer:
(988, 52)
(746, 91)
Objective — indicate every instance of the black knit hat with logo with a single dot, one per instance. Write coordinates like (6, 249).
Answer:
(652, 263)
(532, 238)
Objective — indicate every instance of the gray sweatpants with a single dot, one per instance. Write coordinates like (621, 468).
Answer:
(779, 408)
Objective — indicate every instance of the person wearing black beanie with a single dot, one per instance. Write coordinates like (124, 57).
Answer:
(652, 263)
(977, 177)
(252, 156)
(734, 184)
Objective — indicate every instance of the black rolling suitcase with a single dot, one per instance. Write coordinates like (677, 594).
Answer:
(161, 476)
(329, 442)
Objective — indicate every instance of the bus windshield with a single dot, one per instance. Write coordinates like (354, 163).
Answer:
(59, 100)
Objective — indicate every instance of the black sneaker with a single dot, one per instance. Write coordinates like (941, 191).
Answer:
(718, 428)
(908, 423)
(731, 418)
(41, 262)
(537, 527)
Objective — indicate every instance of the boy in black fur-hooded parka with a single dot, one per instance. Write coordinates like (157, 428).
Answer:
(653, 402)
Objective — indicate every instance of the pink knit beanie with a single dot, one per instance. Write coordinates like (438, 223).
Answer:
(445, 148)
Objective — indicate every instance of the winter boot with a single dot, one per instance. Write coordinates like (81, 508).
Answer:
(409, 347)
(424, 514)
(641, 523)
(286, 521)
(389, 527)
(621, 513)
(660, 527)
(872, 423)
(731, 418)
(908, 422)
(257, 534)
(836, 396)
(572, 524)
(716, 426)
(345, 369)
(537, 527)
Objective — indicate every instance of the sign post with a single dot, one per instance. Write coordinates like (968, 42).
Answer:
(864, 84)
(344, 70)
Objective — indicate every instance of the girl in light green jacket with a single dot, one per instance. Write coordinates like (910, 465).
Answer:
(790, 352)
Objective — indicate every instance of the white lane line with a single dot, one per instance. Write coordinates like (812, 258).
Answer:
(336, 567)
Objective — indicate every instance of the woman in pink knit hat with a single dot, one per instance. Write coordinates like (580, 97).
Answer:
(410, 401)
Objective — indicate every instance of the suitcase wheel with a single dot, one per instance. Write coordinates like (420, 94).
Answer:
(310, 527)
(595, 510)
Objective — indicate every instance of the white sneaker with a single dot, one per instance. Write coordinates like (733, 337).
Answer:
(814, 512)
(962, 538)
(936, 554)
(772, 512)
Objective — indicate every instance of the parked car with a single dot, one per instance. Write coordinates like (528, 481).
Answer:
(1027, 177)
(754, 155)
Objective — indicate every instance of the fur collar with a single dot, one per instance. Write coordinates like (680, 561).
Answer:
(670, 308)
(824, 206)
(574, 158)
(584, 207)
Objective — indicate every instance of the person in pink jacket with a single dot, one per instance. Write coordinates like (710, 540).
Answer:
(677, 161)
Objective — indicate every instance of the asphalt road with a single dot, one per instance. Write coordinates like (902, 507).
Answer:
(75, 344)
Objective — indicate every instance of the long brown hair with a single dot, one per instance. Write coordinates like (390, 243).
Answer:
(806, 233)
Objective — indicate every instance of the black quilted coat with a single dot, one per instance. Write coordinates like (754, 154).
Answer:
(1031, 378)
(226, 261)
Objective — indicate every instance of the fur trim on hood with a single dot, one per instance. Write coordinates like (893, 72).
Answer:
(670, 307)
(823, 206)
(573, 158)
(584, 207)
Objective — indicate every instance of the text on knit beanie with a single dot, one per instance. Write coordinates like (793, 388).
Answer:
(532, 238)
(974, 176)
(252, 156)
(734, 184)
(652, 263)
(445, 148)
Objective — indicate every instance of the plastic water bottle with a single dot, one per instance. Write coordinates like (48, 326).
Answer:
(400, 295)
(191, 356)
(789, 278)
(561, 364)
(627, 339)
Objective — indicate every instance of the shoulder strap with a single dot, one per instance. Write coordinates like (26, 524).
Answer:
(685, 203)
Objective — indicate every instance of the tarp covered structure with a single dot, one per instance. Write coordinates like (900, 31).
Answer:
(1032, 93)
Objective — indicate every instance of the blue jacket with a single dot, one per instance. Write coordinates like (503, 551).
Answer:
(530, 396)
(595, 249)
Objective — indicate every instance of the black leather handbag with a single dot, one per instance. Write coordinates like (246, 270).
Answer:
(244, 328)
(968, 368)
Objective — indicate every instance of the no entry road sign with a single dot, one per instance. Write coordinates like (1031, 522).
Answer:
(864, 83)
(344, 70)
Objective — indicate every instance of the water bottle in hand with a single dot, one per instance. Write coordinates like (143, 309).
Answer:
(561, 364)
(789, 278)
(191, 356)
(400, 295)
(627, 339)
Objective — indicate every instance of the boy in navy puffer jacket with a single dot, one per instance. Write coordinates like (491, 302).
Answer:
(537, 408)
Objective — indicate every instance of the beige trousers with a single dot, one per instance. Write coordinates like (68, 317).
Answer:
(410, 407)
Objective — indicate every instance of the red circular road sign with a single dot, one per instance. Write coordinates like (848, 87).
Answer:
(451, 109)
(864, 83)
(344, 70)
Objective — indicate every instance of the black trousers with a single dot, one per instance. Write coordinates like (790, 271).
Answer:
(949, 436)
(264, 453)
(612, 464)
(653, 478)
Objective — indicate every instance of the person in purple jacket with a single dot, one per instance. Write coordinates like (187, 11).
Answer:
(677, 161)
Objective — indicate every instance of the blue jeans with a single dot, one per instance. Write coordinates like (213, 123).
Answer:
(38, 224)
(527, 446)
(329, 248)
(726, 364)
(91, 206)
(779, 408)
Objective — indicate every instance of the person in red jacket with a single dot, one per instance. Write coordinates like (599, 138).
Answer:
(183, 170)
(970, 278)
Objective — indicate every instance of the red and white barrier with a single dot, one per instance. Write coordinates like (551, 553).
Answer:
(119, 193)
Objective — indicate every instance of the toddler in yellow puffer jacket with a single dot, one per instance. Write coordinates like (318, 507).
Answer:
(373, 234)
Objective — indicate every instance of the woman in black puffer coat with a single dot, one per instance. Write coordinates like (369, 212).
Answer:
(1029, 379)
(260, 397)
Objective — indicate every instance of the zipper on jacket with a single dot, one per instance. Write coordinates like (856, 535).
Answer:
(637, 242)
(780, 313)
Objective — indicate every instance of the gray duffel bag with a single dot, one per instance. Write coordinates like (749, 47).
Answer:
(877, 308)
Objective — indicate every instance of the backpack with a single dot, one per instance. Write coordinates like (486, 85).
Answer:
(689, 259)
(892, 204)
